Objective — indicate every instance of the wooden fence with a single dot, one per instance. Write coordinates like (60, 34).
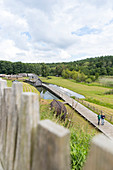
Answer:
(26, 143)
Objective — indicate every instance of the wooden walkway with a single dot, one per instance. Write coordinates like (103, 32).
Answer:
(106, 129)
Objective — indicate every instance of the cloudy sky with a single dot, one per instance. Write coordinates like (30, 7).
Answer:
(55, 30)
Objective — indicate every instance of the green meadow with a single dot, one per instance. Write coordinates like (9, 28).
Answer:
(94, 93)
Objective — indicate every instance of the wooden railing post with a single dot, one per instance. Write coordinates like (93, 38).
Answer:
(52, 150)
(101, 154)
(6, 101)
(3, 84)
(28, 120)
(12, 124)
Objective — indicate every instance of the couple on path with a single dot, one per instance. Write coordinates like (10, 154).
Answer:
(102, 116)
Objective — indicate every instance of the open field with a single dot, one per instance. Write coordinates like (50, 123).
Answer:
(106, 81)
(26, 87)
(29, 88)
(93, 93)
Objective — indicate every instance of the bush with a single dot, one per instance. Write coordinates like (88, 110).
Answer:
(109, 92)
(88, 80)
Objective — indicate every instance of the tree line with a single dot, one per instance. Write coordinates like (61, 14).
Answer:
(87, 68)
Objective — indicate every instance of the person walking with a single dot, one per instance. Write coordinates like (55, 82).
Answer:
(99, 117)
(102, 119)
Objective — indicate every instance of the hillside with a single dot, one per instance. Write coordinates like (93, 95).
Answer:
(90, 66)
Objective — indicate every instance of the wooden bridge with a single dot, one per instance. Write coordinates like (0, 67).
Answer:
(107, 129)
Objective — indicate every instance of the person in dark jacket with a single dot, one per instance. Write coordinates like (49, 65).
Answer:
(99, 117)
(102, 119)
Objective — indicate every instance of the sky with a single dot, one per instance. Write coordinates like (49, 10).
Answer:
(36, 31)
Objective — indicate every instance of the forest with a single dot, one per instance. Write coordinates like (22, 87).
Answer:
(82, 70)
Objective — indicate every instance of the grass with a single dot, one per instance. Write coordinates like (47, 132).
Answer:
(26, 87)
(106, 81)
(9, 83)
(93, 93)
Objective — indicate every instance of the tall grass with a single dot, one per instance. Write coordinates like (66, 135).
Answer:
(98, 102)
(80, 144)
(9, 83)
(106, 81)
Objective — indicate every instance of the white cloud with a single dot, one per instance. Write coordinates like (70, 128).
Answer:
(8, 51)
(64, 55)
(41, 31)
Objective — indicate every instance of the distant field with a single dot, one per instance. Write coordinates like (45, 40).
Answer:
(106, 81)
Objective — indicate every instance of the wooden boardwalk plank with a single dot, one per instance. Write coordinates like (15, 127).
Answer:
(89, 115)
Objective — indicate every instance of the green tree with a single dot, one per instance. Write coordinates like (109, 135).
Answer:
(96, 76)
(44, 70)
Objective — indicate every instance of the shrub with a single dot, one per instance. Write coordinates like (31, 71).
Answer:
(109, 92)
(88, 80)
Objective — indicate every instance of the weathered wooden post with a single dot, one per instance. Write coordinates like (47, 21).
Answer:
(3, 84)
(28, 121)
(101, 154)
(6, 101)
(72, 103)
(12, 124)
(52, 149)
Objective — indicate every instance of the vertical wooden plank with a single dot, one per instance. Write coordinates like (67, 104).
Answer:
(52, 150)
(12, 125)
(3, 84)
(28, 120)
(5, 110)
(100, 155)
